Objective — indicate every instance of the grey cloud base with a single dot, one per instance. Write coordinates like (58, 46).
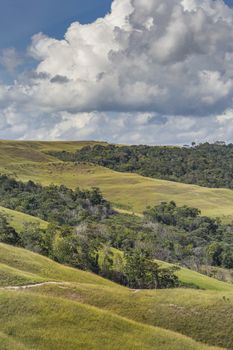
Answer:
(151, 71)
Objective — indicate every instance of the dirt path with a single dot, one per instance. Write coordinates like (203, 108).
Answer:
(28, 286)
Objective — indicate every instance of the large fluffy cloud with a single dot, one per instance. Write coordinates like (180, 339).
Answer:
(150, 71)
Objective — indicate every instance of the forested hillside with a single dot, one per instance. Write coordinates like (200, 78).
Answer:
(209, 165)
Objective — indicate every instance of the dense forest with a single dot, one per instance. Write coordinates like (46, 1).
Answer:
(209, 165)
(53, 203)
(84, 232)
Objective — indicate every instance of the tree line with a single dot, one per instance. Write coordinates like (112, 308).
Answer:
(52, 203)
(209, 165)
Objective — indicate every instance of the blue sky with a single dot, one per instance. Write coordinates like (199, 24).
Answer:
(20, 19)
(229, 2)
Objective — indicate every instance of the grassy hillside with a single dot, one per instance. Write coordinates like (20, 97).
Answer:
(86, 309)
(71, 325)
(27, 160)
(128, 191)
(82, 310)
(197, 279)
(35, 151)
(17, 219)
(205, 316)
(44, 268)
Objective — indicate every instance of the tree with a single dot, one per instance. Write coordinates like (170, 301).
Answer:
(214, 252)
(142, 273)
(8, 234)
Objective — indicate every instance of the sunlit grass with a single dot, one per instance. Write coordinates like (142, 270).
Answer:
(18, 219)
(192, 312)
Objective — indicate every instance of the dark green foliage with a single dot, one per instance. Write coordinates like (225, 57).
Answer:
(169, 214)
(7, 233)
(142, 273)
(53, 203)
(209, 165)
(194, 235)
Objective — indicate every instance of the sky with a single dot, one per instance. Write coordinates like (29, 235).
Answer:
(124, 71)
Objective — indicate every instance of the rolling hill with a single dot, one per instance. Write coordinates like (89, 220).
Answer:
(83, 308)
(131, 192)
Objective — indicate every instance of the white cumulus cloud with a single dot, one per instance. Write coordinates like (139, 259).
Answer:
(152, 71)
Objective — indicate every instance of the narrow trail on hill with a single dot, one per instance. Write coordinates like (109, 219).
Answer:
(28, 286)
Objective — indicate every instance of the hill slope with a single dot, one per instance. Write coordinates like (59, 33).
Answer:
(190, 312)
(18, 219)
(71, 325)
(127, 191)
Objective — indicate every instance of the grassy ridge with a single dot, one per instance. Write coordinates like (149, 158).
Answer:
(71, 325)
(44, 268)
(195, 313)
(36, 151)
(191, 277)
(14, 277)
(17, 219)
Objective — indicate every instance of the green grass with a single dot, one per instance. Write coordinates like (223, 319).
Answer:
(18, 219)
(7, 343)
(27, 160)
(199, 280)
(46, 323)
(36, 151)
(191, 312)
(129, 191)
(70, 323)
(205, 316)
(44, 268)
(14, 277)
(220, 273)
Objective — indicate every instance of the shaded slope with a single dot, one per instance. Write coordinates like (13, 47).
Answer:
(71, 325)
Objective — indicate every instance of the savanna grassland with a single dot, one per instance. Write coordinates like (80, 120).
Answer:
(84, 310)
(132, 192)
(50, 299)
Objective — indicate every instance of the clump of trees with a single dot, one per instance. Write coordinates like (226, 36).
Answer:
(80, 248)
(57, 204)
(209, 165)
(7, 233)
(143, 273)
(206, 239)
